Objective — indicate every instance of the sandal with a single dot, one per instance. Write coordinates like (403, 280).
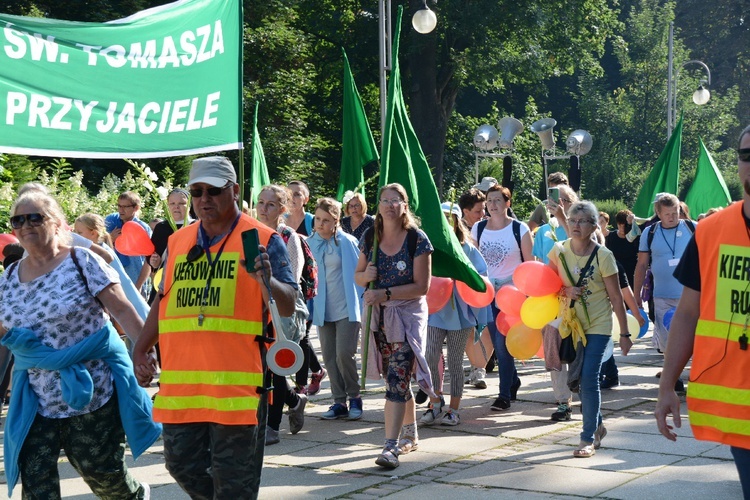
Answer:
(388, 458)
(599, 435)
(407, 445)
(585, 450)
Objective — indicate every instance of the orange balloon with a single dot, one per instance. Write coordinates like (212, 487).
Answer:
(536, 279)
(523, 342)
(6, 239)
(504, 322)
(134, 241)
(439, 293)
(510, 299)
(474, 298)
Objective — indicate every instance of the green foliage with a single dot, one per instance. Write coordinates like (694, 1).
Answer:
(611, 207)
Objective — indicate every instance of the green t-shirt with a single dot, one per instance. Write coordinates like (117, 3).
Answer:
(597, 299)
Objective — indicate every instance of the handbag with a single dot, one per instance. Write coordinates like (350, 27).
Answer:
(647, 289)
(567, 350)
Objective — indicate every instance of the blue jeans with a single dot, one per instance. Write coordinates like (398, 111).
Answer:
(506, 364)
(591, 397)
(742, 461)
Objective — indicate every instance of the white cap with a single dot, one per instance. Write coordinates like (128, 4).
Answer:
(216, 171)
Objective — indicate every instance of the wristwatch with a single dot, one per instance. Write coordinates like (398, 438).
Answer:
(387, 294)
(626, 334)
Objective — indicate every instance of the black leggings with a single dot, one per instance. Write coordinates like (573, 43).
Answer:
(282, 394)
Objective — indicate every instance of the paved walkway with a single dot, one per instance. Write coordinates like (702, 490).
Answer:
(519, 452)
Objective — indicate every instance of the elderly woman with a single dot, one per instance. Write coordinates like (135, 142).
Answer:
(589, 274)
(73, 378)
(357, 221)
(336, 310)
(401, 273)
(272, 205)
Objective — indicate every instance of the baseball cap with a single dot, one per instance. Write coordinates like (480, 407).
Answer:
(486, 184)
(216, 171)
(449, 208)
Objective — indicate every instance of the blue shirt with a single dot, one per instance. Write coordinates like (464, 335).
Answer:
(667, 247)
(543, 243)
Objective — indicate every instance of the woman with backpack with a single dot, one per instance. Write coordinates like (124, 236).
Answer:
(504, 243)
(272, 203)
(398, 326)
(336, 310)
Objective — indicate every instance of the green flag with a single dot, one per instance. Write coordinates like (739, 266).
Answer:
(166, 81)
(708, 189)
(663, 177)
(358, 148)
(403, 161)
(259, 170)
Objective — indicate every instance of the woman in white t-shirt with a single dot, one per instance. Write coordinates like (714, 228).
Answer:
(504, 243)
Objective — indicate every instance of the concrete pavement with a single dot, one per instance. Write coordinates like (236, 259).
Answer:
(518, 452)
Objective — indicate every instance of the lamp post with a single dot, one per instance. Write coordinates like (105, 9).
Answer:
(424, 21)
(700, 96)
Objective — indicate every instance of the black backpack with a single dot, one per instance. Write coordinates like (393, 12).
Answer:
(482, 224)
(411, 240)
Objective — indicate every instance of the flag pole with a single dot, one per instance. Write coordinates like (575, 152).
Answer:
(371, 286)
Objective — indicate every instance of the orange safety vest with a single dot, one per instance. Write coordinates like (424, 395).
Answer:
(719, 391)
(210, 372)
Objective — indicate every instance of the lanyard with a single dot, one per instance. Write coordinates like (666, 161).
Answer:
(674, 240)
(206, 243)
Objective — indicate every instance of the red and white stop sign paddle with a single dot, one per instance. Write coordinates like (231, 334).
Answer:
(284, 357)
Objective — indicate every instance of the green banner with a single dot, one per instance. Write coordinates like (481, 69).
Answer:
(162, 82)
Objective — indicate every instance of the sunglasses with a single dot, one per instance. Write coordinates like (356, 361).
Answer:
(212, 191)
(195, 253)
(744, 154)
(35, 220)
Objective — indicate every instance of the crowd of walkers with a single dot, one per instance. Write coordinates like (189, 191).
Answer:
(348, 265)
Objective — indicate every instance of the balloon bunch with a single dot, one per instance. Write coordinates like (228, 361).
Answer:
(526, 307)
(134, 240)
(441, 289)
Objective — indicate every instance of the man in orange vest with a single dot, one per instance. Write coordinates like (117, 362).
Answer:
(711, 325)
(209, 320)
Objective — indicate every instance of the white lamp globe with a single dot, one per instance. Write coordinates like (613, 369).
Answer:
(424, 21)
(701, 96)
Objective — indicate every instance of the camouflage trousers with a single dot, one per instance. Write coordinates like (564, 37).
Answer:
(95, 445)
(214, 461)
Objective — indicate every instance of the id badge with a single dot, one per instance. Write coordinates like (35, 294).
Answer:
(673, 262)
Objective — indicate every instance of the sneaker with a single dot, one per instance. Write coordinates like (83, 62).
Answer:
(432, 415)
(514, 389)
(609, 383)
(355, 409)
(272, 436)
(500, 404)
(420, 397)
(450, 418)
(563, 413)
(297, 415)
(599, 434)
(469, 376)
(337, 410)
(301, 389)
(146, 491)
(315, 381)
(479, 381)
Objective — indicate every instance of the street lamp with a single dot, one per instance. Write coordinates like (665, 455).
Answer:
(423, 21)
(700, 96)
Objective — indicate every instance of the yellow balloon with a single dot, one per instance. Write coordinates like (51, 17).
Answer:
(633, 326)
(523, 342)
(157, 277)
(538, 311)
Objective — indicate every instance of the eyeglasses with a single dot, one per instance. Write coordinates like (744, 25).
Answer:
(581, 222)
(123, 207)
(394, 201)
(353, 205)
(744, 154)
(212, 191)
(566, 200)
(35, 220)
